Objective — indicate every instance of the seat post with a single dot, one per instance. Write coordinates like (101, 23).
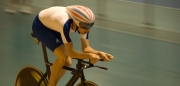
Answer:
(47, 63)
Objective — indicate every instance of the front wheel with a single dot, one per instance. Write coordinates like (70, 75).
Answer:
(87, 83)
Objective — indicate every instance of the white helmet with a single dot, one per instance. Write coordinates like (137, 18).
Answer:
(81, 15)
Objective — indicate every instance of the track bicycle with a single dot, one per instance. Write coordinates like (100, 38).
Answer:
(32, 76)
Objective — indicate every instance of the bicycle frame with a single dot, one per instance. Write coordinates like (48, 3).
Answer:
(47, 63)
(77, 73)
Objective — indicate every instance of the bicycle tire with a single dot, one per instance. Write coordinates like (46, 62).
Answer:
(30, 76)
(87, 83)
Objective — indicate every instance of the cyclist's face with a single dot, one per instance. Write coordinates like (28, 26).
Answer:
(83, 31)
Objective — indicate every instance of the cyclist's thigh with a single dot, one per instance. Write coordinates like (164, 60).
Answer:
(60, 51)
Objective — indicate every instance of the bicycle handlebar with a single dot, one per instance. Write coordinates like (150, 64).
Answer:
(82, 60)
(84, 65)
(92, 65)
(88, 62)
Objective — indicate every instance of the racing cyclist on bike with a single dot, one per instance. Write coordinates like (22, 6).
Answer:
(52, 26)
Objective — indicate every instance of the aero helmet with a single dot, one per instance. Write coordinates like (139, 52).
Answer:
(81, 15)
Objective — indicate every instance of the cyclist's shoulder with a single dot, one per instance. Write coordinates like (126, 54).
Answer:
(56, 14)
(56, 8)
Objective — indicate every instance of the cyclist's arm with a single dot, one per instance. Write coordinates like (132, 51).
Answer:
(74, 54)
(86, 47)
(69, 45)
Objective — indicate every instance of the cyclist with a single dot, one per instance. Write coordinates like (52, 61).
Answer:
(52, 26)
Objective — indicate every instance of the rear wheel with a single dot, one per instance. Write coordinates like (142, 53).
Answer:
(30, 76)
(87, 83)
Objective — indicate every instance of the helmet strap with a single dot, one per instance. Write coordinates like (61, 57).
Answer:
(77, 29)
(75, 26)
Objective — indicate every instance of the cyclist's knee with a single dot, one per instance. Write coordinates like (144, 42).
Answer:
(68, 61)
(61, 54)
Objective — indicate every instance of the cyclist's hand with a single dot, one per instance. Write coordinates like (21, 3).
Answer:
(109, 56)
(105, 56)
(94, 58)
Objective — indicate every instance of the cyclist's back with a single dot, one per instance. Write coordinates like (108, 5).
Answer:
(54, 17)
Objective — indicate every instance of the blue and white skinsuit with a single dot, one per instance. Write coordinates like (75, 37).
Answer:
(52, 26)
